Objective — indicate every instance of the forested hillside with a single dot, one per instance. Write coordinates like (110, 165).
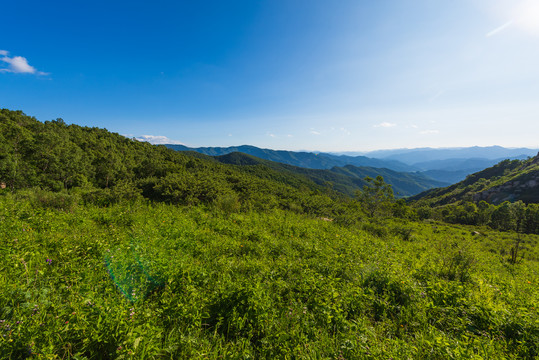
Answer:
(105, 167)
(507, 180)
(347, 180)
(505, 197)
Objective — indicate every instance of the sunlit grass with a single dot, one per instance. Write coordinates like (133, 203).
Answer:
(255, 285)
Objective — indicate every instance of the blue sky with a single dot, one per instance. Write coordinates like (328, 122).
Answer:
(345, 75)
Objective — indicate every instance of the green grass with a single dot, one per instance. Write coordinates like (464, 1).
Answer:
(157, 281)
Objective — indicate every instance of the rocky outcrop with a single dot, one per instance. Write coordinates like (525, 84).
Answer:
(518, 189)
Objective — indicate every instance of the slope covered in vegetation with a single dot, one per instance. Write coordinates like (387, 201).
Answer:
(104, 167)
(116, 249)
(141, 281)
(508, 180)
(347, 180)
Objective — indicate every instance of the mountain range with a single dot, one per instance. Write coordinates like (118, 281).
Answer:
(413, 156)
(444, 166)
(347, 179)
(302, 159)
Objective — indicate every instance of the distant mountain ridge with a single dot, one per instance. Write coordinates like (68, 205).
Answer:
(346, 180)
(446, 166)
(301, 159)
(413, 156)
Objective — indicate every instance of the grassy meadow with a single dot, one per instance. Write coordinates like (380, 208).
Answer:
(146, 280)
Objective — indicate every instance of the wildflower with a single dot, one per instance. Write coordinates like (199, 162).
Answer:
(49, 261)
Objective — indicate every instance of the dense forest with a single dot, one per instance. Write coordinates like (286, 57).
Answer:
(118, 249)
(104, 167)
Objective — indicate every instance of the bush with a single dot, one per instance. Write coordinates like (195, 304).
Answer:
(457, 261)
(52, 200)
(405, 233)
(228, 203)
(375, 229)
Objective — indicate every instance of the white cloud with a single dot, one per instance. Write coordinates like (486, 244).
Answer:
(158, 140)
(385, 125)
(271, 135)
(313, 132)
(427, 132)
(17, 64)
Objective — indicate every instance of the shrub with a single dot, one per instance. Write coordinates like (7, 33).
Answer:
(228, 203)
(405, 233)
(52, 200)
(457, 261)
(375, 229)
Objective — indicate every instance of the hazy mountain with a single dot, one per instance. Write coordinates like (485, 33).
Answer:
(449, 177)
(473, 164)
(413, 156)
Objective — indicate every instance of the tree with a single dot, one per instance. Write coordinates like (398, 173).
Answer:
(502, 217)
(376, 197)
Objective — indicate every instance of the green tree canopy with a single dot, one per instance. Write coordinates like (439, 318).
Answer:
(376, 197)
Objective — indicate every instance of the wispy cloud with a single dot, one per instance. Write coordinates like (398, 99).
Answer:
(385, 125)
(158, 139)
(314, 132)
(499, 29)
(428, 132)
(17, 65)
(271, 135)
